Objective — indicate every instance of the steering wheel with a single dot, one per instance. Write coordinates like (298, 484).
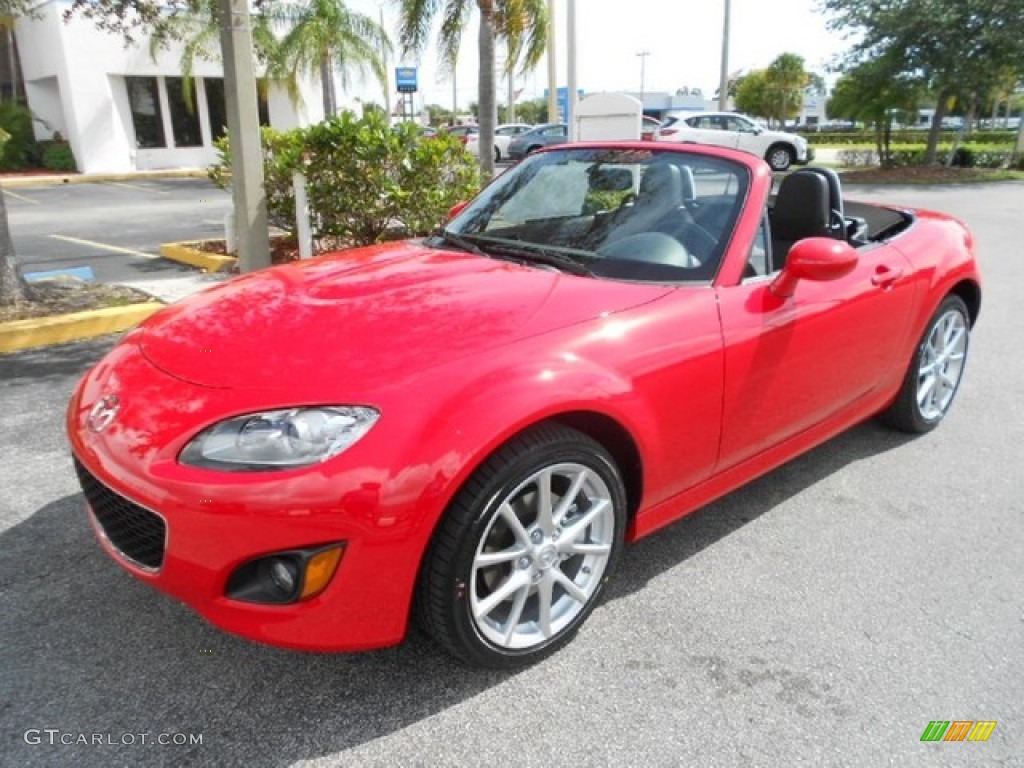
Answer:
(698, 241)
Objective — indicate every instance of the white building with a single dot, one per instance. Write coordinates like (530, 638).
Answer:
(121, 108)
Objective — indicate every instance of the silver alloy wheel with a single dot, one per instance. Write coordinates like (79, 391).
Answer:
(780, 158)
(542, 556)
(942, 358)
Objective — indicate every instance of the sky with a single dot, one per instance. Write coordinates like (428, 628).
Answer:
(683, 39)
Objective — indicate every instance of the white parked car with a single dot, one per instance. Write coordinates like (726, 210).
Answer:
(503, 134)
(728, 129)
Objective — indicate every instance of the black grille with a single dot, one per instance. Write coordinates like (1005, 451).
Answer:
(134, 531)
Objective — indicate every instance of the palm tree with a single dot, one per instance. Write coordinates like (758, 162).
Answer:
(326, 37)
(197, 26)
(522, 24)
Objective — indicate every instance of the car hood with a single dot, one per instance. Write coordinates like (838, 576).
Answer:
(369, 318)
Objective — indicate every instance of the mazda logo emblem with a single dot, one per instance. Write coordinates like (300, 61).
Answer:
(103, 413)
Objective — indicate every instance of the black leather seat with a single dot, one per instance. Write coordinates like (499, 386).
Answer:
(837, 224)
(801, 210)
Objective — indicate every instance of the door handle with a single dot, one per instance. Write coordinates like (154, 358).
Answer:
(885, 276)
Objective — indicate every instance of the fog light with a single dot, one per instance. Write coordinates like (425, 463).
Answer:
(284, 575)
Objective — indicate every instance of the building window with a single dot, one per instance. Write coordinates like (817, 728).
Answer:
(144, 102)
(217, 110)
(184, 113)
(215, 107)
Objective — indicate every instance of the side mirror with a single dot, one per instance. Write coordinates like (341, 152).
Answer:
(456, 209)
(814, 258)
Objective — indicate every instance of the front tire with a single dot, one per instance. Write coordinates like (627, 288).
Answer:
(524, 551)
(934, 375)
(780, 157)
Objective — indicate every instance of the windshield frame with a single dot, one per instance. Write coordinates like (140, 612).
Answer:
(650, 256)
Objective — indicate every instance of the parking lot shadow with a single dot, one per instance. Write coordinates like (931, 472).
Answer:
(87, 649)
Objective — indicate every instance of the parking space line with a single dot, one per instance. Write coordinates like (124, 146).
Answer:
(105, 246)
(126, 185)
(16, 196)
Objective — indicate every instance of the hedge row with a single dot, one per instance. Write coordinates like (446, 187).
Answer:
(844, 138)
(963, 157)
(364, 179)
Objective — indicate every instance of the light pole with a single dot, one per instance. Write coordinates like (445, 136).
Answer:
(387, 76)
(723, 79)
(552, 66)
(643, 62)
(570, 102)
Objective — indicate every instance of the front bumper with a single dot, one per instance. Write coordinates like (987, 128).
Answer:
(216, 521)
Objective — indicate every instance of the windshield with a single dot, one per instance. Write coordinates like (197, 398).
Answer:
(632, 214)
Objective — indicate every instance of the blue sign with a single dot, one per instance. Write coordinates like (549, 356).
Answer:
(405, 79)
(562, 102)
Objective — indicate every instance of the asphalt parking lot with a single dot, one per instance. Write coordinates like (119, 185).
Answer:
(822, 616)
(115, 227)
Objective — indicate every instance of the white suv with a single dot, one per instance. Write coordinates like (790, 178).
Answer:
(727, 129)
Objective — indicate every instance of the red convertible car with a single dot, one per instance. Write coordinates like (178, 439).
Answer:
(465, 429)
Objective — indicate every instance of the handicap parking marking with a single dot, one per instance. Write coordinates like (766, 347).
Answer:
(82, 273)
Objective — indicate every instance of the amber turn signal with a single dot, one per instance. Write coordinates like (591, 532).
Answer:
(320, 570)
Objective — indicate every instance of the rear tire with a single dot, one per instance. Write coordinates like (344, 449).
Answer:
(525, 550)
(935, 372)
(780, 157)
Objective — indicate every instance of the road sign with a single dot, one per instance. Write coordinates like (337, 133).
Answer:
(405, 78)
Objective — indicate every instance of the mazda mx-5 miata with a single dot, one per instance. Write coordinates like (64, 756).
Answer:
(465, 429)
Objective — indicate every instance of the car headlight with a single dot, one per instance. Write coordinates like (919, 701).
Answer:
(294, 437)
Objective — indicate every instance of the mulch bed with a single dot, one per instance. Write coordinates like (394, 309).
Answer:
(64, 295)
(923, 174)
(282, 249)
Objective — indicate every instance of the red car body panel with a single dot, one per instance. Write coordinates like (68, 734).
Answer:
(714, 385)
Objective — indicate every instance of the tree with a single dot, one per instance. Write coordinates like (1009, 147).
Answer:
(198, 27)
(751, 94)
(874, 92)
(955, 46)
(785, 82)
(327, 37)
(522, 24)
(534, 111)
(776, 93)
(13, 287)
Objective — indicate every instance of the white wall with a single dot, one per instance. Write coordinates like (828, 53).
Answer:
(74, 80)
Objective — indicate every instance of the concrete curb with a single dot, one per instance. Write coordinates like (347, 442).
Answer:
(57, 329)
(185, 253)
(90, 178)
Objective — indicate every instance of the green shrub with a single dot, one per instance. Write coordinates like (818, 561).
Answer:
(364, 179)
(57, 156)
(903, 136)
(20, 149)
(282, 152)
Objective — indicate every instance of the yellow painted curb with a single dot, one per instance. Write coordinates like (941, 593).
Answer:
(187, 254)
(44, 180)
(43, 331)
